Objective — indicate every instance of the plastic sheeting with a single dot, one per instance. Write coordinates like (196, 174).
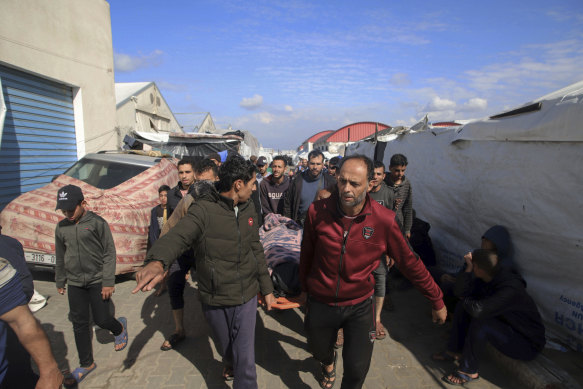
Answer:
(31, 218)
(464, 186)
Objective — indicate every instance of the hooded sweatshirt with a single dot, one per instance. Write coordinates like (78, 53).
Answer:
(504, 298)
(501, 238)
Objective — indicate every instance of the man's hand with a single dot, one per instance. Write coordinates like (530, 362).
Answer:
(439, 316)
(408, 235)
(447, 278)
(106, 292)
(469, 264)
(149, 276)
(52, 380)
(61, 290)
(269, 301)
(389, 261)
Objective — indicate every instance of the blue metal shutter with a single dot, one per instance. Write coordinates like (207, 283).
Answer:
(38, 140)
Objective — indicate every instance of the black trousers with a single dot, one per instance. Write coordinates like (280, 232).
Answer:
(81, 300)
(470, 335)
(358, 321)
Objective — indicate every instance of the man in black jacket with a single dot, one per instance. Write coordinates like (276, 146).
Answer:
(494, 308)
(184, 186)
(303, 189)
(221, 226)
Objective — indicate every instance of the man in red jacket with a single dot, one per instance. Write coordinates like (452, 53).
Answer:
(344, 237)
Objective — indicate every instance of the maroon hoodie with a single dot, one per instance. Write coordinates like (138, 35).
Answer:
(339, 254)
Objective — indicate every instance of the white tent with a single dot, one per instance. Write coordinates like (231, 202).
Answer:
(522, 170)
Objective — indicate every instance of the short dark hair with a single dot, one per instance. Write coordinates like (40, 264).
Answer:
(486, 260)
(186, 161)
(314, 154)
(214, 156)
(280, 158)
(398, 160)
(163, 188)
(367, 161)
(378, 164)
(235, 168)
(206, 164)
(334, 161)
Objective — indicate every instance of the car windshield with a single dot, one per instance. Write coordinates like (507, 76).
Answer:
(103, 174)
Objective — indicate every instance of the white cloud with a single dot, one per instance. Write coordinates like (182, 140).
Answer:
(251, 103)
(400, 79)
(288, 108)
(475, 104)
(439, 104)
(128, 63)
(264, 117)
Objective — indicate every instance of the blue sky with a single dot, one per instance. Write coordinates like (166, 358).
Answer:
(285, 70)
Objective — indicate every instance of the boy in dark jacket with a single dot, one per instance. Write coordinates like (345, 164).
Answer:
(158, 215)
(499, 312)
(85, 261)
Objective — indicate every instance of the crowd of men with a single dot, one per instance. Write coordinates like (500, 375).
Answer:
(357, 220)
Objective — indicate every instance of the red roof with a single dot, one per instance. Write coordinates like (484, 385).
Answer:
(320, 134)
(445, 124)
(358, 131)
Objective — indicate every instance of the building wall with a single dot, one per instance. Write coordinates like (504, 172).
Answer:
(135, 114)
(68, 41)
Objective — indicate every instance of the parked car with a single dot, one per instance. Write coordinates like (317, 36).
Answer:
(121, 187)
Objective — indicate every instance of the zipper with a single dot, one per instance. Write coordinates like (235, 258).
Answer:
(342, 251)
(239, 255)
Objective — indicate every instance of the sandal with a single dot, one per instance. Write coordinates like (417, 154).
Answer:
(80, 373)
(173, 341)
(444, 356)
(329, 378)
(122, 339)
(381, 332)
(339, 339)
(228, 374)
(462, 378)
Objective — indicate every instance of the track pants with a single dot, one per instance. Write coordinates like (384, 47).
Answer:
(322, 323)
(233, 331)
(81, 299)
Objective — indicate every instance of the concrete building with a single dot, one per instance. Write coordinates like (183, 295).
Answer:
(56, 71)
(141, 107)
(308, 144)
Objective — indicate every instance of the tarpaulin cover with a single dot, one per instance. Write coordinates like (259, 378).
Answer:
(31, 218)
(467, 181)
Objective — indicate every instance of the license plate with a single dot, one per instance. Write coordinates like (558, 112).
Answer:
(45, 259)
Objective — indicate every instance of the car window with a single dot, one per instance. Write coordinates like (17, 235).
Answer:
(103, 174)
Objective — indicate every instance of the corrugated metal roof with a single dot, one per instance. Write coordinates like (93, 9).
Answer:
(317, 136)
(357, 132)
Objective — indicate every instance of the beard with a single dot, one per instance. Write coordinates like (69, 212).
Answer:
(354, 201)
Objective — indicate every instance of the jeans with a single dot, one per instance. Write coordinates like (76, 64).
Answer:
(81, 299)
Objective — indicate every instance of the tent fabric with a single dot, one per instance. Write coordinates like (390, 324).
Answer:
(31, 218)
(533, 188)
(559, 120)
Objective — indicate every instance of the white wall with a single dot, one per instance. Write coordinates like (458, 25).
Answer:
(68, 41)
